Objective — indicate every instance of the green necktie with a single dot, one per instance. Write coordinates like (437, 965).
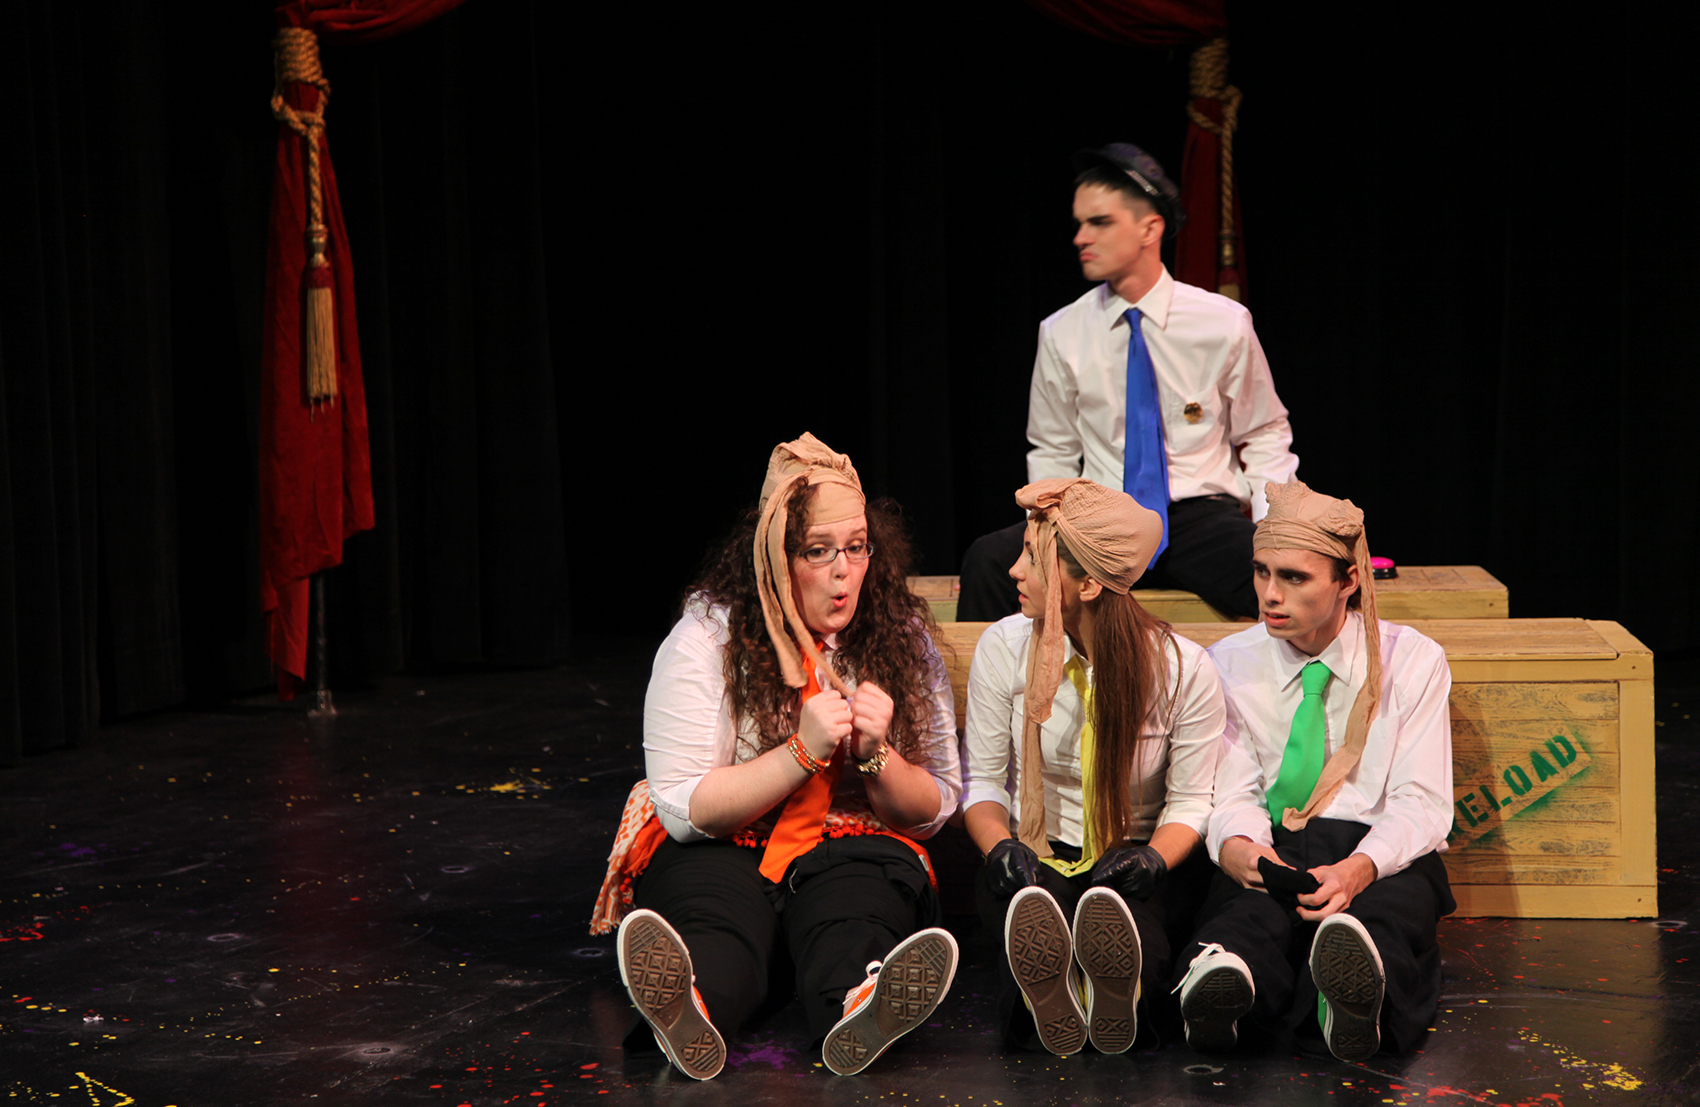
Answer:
(1307, 744)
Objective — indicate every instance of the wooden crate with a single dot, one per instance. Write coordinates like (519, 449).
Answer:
(940, 594)
(1418, 592)
(1552, 750)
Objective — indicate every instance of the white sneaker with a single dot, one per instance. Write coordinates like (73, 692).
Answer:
(1041, 955)
(898, 995)
(1215, 993)
(1347, 969)
(1106, 944)
(655, 967)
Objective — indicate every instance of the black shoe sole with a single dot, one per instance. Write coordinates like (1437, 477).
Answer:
(1346, 974)
(657, 971)
(915, 976)
(1213, 1008)
(1107, 947)
(1041, 955)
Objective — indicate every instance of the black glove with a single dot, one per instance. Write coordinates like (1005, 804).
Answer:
(1132, 871)
(1011, 867)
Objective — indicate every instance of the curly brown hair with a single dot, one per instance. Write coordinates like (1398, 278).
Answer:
(889, 641)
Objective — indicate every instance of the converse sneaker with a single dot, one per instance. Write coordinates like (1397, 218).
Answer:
(1347, 969)
(1036, 940)
(898, 995)
(1107, 947)
(1216, 991)
(655, 967)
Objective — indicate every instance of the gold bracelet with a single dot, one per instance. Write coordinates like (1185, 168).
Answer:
(807, 760)
(873, 765)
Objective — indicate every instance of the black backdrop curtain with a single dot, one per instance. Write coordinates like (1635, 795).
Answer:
(604, 261)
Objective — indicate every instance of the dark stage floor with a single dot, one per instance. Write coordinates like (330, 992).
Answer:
(239, 906)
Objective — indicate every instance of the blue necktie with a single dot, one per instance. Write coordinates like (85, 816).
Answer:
(1146, 473)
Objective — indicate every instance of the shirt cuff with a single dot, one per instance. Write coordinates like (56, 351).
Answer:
(1386, 858)
(1246, 825)
(983, 792)
(947, 808)
(1195, 816)
(674, 811)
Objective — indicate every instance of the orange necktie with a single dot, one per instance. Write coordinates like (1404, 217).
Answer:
(799, 826)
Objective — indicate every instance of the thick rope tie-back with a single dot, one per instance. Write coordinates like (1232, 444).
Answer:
(295, 57)
(1210, 79)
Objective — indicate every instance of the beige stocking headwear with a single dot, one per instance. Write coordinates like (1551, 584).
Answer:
(1113, 538)
(808, 460)
(1300, 519)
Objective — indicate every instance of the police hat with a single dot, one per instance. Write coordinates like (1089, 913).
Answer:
(1147, 176)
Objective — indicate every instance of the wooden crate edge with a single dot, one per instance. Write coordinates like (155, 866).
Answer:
(1556, 901)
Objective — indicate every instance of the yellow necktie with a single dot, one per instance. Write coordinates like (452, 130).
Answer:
(1075, 669)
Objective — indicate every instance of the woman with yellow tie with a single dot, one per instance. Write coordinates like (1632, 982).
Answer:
(799, 742)
(1090, 751)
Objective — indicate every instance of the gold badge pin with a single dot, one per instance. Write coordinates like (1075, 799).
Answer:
(1193, 412)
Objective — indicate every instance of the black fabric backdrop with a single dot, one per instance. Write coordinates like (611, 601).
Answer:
(606, 259)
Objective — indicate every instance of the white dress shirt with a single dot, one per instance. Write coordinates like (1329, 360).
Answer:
(1175, 768)
(688, 727)
(1402, 787)
(1205, 354)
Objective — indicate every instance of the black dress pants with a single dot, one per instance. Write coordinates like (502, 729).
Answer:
(1209, 554)
(1400, 912)
(844, 903)
(1164, 922)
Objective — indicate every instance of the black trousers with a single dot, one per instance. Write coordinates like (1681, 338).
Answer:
(1209, 553)
(1401, 913)
(844, 903)
(1164, 923)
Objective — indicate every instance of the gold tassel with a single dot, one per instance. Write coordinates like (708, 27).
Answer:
(296, 58)
(319, 354)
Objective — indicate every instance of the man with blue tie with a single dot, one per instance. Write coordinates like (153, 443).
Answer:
(1151, 386)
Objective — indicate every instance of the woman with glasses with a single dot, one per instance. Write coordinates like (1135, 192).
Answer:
(799, 741)
(1090, 752)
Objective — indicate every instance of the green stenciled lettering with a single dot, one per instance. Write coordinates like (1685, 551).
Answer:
(1517, 780)
(1543, 767)
(1561, 749)
(1465, 811)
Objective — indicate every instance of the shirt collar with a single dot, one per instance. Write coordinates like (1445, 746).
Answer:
(1154, 305)
(1338, 655)
(1069, 652)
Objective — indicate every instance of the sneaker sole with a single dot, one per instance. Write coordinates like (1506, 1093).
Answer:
(1107, 947)
(1040, 954)
(1347, 972)
(914, 977)
(1213, 1008)
(656, 970)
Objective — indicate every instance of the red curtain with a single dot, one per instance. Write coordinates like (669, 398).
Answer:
(1201, 256)
(351, 22)
(315, 467)
(1142, 22)
(1204, 256)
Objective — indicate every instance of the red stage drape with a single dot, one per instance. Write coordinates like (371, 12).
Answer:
(1201, 257)
(315, 467)
(1142, 22)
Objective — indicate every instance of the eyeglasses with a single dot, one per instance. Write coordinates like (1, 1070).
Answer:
(826, 555)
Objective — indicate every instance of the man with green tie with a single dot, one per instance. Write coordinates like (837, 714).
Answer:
(1333, 803)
